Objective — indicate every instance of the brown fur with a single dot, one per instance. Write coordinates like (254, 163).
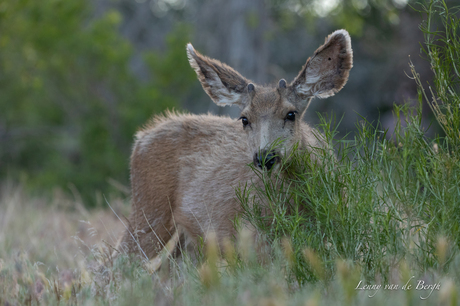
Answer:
(185, 168)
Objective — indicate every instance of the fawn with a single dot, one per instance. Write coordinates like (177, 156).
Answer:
(184, 168)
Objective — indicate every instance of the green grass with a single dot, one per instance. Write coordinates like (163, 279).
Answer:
(383, 210)
(383, 199)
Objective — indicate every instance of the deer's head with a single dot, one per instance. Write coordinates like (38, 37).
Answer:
(275, 113)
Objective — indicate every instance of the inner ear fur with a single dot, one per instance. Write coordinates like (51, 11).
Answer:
(327, 71)
(223, 84)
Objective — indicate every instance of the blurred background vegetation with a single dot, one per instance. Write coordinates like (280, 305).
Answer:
(77, 77)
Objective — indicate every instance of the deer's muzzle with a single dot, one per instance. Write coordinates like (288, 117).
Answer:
(265, 159)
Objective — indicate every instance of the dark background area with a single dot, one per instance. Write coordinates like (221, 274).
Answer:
(77, 78)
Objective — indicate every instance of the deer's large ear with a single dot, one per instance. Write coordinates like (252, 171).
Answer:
(326, 72)
(222, 83)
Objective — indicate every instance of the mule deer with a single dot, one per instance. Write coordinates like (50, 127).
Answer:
(184, 168)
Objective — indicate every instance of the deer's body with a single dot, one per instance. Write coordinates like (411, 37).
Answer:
(185, 168)
(194, 187)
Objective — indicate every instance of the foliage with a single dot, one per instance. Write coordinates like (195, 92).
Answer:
(356, 16)
(379, 201)
(442, 47)
(69, 103)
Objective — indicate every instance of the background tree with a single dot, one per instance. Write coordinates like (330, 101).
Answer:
(69, 102)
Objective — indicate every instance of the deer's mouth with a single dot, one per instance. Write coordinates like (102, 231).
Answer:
(266, 159)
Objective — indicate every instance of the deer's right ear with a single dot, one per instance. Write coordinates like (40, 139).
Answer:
(222, 83)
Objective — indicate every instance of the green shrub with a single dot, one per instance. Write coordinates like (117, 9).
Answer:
(379, 201)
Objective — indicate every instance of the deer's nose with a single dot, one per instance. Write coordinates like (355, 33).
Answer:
(265, 159)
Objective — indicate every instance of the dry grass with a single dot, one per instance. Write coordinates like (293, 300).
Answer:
(52, 232)
(46, 243)
(53, 252)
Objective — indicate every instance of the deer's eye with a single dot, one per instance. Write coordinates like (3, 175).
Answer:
(245, 121)
(290, 116)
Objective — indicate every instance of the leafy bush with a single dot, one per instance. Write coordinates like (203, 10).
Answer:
(442, 47)
(379, 201)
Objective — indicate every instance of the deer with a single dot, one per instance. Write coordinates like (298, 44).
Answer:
(185, 167)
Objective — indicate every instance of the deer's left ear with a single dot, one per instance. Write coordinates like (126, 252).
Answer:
(326, 72)
(222, 83)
